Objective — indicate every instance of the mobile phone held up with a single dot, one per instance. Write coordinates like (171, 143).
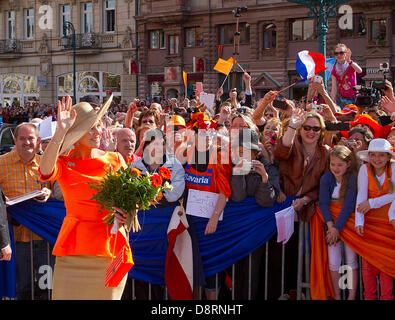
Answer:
(384, 120)
(340, 126)
(279, 104)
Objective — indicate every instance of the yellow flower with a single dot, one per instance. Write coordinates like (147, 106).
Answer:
(137, 172)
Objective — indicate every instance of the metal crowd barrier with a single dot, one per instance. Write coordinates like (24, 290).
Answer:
(303, 273)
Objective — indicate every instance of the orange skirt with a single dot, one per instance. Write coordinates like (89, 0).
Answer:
(377, 246)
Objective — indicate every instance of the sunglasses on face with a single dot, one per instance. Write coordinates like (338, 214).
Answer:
(309, 128)
(340, 52)
(271, 115)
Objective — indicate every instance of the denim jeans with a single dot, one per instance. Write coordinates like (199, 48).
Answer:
(23, 267)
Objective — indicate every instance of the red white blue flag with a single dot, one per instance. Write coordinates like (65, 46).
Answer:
(308, 64)
(179, 258)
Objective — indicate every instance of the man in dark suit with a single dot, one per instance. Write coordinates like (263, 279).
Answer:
(5, 244)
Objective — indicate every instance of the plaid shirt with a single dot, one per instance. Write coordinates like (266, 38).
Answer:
(18, 178)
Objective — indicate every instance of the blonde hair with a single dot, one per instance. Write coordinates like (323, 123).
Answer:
(345, 154)
(340, 45)
(278, 122)
(313, 114)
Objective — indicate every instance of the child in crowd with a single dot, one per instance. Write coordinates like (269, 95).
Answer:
(338, 192)
(376, 194)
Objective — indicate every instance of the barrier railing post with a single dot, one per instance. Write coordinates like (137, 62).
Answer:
(31, 266)
(49, 264)
(266, 267)
(303, 241)
(360, 278)
(216, 286)
(300, 261)
(307, 258)
(282, 268)
(343, 291)
(233, 281)
(249, 276)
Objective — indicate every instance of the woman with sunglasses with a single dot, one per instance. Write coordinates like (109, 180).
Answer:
(302, 160)
(344, 76)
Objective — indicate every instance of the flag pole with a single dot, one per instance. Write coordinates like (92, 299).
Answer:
(226, 76)
(283, 89)
(240, 67)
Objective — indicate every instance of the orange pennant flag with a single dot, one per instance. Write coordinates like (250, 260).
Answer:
(184, 75)
(223, 66)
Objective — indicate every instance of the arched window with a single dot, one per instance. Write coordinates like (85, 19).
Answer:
(18, 88)
(269, 36)
(90, 83)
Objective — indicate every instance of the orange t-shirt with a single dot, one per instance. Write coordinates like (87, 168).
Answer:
(83, 231)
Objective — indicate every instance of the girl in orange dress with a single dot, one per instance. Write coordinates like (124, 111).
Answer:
(376, 194)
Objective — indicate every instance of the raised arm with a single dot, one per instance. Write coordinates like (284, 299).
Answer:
(131, 111)
(66, 118)
(257, 115)
(297, 119)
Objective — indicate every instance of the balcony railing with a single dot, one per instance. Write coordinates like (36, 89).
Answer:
(10, 46)
(85, 41)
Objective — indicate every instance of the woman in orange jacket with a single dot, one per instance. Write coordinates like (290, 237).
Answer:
(84, 246)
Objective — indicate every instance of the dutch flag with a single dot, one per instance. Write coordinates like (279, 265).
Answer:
(308, 64)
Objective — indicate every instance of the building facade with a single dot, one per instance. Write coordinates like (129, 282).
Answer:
(141, 47)
(36, 51)
(177, 35)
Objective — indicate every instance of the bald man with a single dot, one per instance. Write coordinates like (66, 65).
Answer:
(126, 144)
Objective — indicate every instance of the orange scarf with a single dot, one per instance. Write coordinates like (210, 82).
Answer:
(377, 245)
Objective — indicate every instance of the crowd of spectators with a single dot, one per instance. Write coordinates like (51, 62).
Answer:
(284, 148)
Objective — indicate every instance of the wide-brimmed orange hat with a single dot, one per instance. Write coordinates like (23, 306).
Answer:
(365, 119)
(85, 120)
(347, 110)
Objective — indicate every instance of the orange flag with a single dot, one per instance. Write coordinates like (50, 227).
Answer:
(184, 75)
(224, 66)
(231, 59)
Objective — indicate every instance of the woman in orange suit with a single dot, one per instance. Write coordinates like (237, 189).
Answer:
(84, 246)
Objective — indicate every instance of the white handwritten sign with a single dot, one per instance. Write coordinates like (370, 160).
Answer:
(285, 224)
(202, 203)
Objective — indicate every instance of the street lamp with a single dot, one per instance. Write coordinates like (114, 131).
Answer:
(321, 10)
(65, 43)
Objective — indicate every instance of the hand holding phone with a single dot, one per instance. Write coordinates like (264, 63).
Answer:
(280, 104)
(340, 126)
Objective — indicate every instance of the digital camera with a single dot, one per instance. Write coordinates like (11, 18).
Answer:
(367, 96)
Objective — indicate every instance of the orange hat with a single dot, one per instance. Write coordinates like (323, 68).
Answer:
(177, 121)
(370, 122)
(348, 109)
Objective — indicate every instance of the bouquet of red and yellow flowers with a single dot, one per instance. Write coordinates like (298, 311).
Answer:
(130, 191)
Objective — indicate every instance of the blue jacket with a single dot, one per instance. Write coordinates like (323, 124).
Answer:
(327, 185)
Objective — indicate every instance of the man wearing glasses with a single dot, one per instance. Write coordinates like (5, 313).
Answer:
(344, 76)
